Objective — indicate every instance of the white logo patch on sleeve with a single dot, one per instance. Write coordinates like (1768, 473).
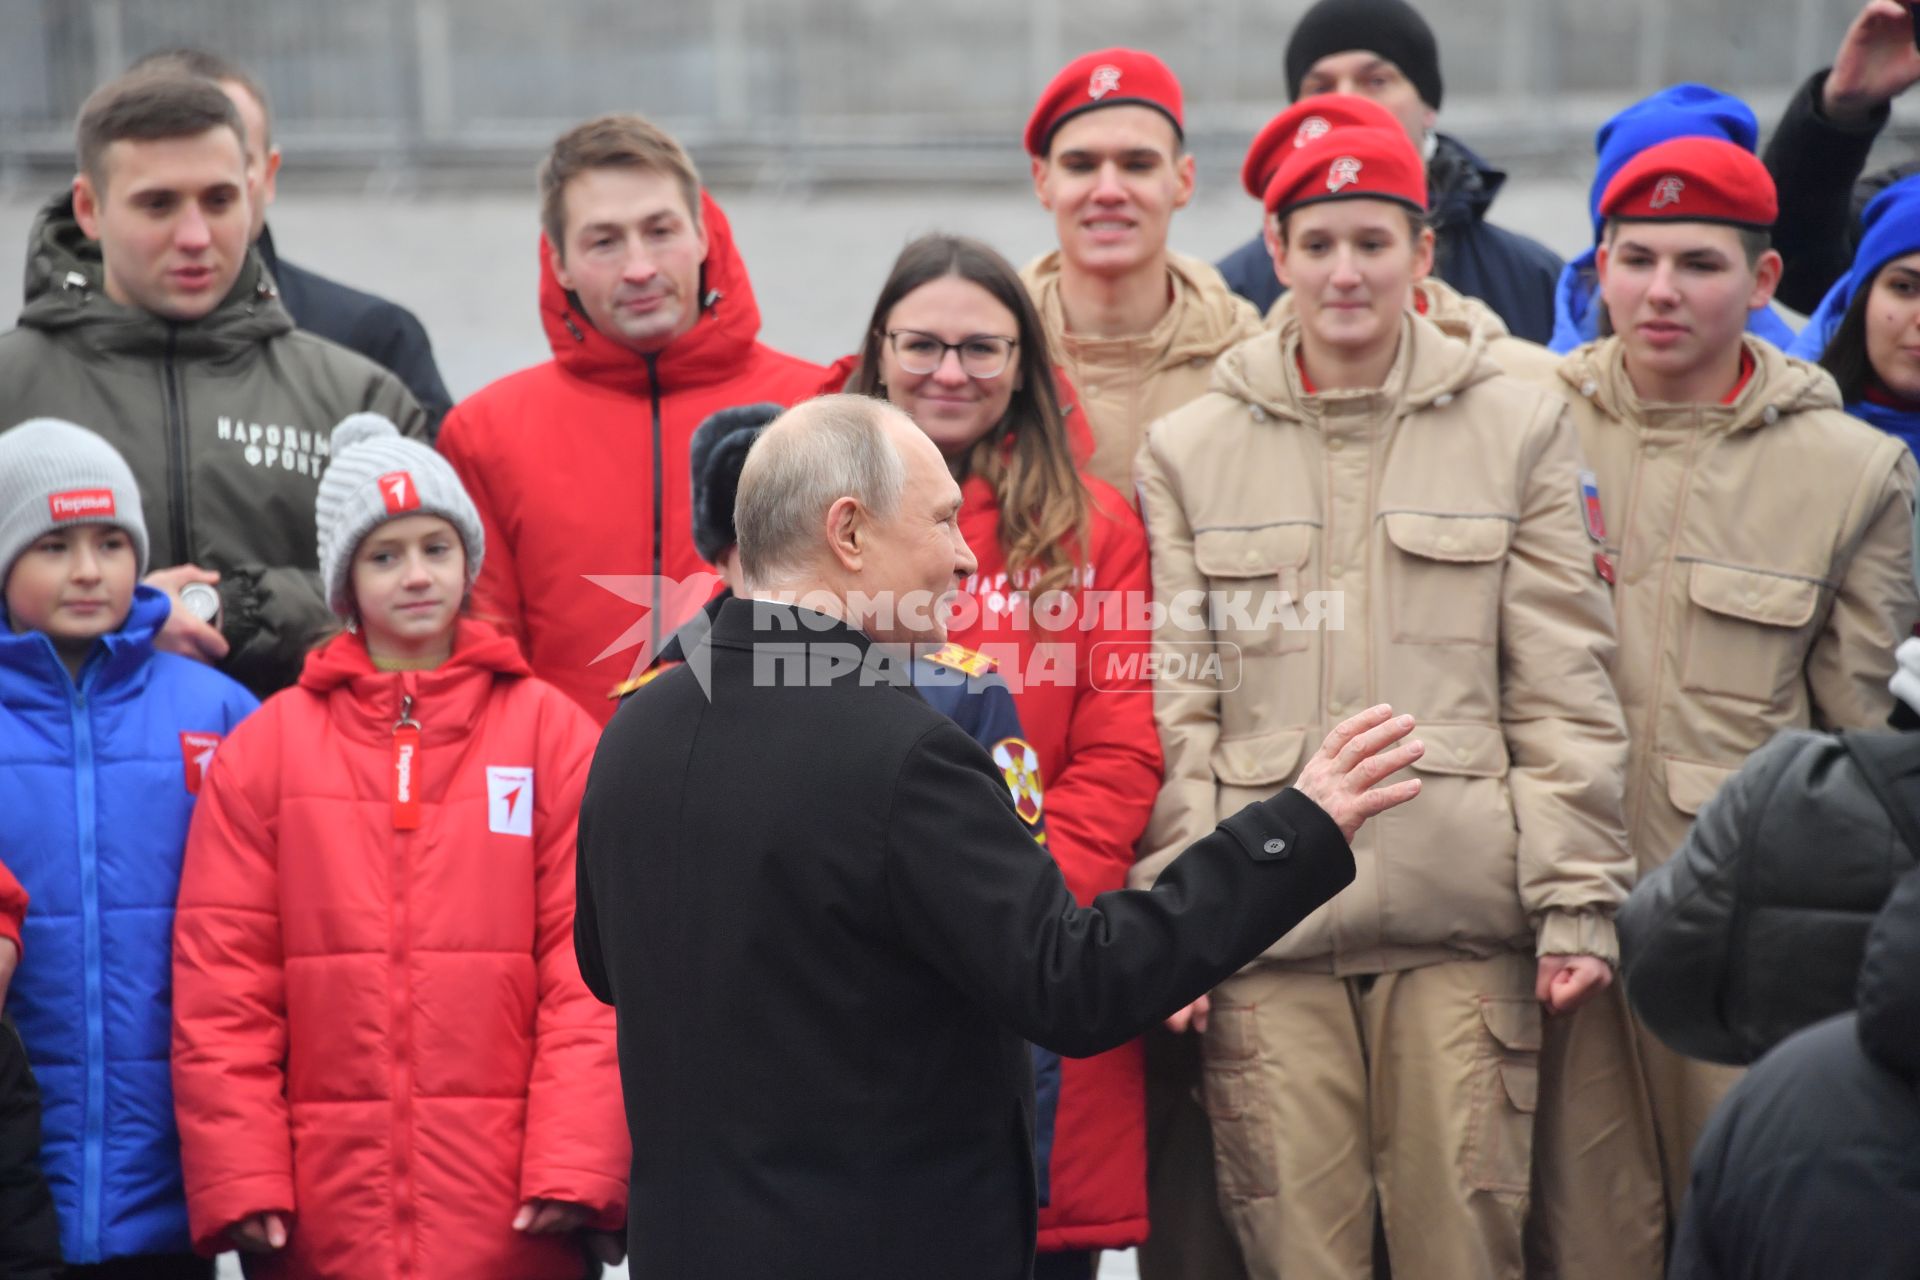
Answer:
(510, 800)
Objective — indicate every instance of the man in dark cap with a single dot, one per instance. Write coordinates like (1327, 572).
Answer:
(1384, 50)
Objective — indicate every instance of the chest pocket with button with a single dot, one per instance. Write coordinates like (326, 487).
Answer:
(1443, 576)
(1253, 583)
(1747, 632)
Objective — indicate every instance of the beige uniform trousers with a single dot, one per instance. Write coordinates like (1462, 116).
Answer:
(1618, 1110)
(1411, 1093)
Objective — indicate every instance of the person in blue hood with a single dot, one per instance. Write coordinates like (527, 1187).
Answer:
(105, 742)
(1682, 111)
(1866, 331)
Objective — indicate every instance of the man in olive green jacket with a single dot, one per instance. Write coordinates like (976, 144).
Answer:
(149, 321)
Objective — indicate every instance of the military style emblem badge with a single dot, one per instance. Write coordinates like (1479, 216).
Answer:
(1343, 172)
(1667, 192)
(1104, 80)
(1020, 766)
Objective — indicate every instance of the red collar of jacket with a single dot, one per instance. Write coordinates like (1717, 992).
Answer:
(447, 700)
(710, 352)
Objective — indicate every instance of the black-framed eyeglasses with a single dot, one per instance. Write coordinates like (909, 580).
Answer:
(983, 355)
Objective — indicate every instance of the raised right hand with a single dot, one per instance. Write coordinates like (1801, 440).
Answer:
(1341, 777)
(259, 1233)
(183, 633)
(1875, 64)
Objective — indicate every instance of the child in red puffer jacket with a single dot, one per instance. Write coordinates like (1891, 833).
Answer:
(385, 1061)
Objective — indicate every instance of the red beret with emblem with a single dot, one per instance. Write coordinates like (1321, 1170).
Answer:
(1300, 124)
(1350, 164)
(1104, 78)
(1693, 180)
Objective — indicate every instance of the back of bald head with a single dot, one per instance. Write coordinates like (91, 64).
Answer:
(813, 455)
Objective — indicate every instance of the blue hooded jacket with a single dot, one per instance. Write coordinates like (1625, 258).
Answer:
(96, 791)
(1682, 111)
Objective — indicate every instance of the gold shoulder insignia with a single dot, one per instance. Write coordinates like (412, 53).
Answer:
(646, 677)
(960, 658)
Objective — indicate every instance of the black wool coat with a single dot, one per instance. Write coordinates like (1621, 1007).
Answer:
(826, 934)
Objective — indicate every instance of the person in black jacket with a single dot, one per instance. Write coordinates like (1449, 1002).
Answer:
(826, 931)
(1811, 1167)
(1818, 151)
(1756, 927)
(1384, 50)
(385, 332)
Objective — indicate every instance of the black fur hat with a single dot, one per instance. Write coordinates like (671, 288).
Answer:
(718, 450)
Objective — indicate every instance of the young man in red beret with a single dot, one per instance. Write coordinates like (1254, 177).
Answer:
(1759, 545)
(1382, 1059)
(1136, 326)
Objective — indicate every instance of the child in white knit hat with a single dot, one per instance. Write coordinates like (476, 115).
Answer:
(106, 743)
(386, 1059)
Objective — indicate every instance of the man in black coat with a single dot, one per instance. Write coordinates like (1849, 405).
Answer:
(1811, 1167)
(1384, 50)
(384, 332)
(824, 928)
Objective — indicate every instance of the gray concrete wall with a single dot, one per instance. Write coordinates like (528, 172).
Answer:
(795, 92)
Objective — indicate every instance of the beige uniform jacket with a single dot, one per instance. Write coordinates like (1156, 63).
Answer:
(1444, 509)
(1468, 319)
(1125, 383)
(1763, 558)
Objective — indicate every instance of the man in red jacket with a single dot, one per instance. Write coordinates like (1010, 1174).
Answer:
(579, 465)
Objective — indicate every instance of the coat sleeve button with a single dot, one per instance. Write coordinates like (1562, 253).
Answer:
(1276, 845)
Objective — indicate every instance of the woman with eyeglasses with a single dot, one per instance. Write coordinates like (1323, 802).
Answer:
(1062, 585)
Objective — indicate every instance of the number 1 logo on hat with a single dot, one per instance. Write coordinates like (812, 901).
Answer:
(400, 492)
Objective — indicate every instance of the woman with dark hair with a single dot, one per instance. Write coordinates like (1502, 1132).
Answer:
(1866, 331)
(956, 344)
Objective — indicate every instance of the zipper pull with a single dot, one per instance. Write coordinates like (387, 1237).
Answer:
(406, 768)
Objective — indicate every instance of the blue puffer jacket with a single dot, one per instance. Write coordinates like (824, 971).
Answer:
(95, 794)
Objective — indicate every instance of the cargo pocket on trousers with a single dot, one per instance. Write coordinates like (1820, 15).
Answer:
(1245, 1163)
(1506, 1093)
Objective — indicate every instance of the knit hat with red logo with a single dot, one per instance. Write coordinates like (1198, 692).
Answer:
(54, 474)
(1358, 163)
(1104, 78)
(1300, 124)
(1693, 180)
(379, 475)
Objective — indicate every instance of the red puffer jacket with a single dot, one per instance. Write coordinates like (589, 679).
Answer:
(384, 1032)
(579, 469)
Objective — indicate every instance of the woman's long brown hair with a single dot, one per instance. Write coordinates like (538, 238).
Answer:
(1025, 458)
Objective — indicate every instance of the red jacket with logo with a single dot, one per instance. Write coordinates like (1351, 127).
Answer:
(1093, 732)
(383, 1032)
(579, 469)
